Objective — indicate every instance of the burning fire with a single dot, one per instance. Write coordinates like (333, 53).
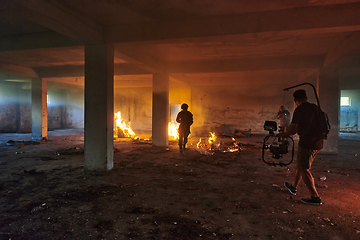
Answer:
(173, 131)
(122, 128)
(212, 138)
(212, 147)
(235, 147)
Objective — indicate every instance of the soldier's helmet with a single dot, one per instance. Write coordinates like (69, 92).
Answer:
(184, 106)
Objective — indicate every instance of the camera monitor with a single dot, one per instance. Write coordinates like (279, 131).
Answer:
(270, 126)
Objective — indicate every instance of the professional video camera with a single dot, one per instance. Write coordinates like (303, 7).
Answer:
(276, 147)
(279, 147)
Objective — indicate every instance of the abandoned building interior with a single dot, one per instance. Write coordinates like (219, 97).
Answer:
(73, 64)
(66, 64)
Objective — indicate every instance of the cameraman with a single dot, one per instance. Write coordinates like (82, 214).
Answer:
(284, 116)
(304, 123)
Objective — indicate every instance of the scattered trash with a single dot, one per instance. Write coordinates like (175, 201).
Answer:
(42, 207)
(323, 178)
(33, 171)
(21, 143)
(69, 151)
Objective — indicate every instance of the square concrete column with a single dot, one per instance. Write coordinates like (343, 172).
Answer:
(329, 95)
(99, 107)
(39, 121)
(160, 110)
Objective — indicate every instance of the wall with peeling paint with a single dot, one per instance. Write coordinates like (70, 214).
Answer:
(239, 108)
(14, 104)
(228, 108)
(135, 105)
(65, 109)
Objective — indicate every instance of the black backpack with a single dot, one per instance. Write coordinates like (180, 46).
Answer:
(322, 120)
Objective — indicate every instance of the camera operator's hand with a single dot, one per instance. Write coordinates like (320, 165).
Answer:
(291, 130)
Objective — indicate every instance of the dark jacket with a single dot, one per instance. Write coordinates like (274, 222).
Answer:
(305, 116)
(185, 118)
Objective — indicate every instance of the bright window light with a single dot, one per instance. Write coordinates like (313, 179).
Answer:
(345, 101)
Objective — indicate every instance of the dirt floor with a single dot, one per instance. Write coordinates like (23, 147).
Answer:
(158, 193)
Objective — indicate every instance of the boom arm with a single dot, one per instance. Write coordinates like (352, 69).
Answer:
(317, 98)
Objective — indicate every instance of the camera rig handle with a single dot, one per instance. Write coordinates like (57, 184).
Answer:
(281, 154)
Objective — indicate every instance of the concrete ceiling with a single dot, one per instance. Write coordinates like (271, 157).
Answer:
(198, 42)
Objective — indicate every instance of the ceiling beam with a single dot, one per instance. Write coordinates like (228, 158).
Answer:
(135, 56)
(17, 70)
(128, 69)
(36, 41)
(180, 78)
(297, 62)
(60, 71)
(58, 18)
(66, 82)
(307, 20)
(132, 84)
(177, 69)
(146, 62)
(78, 71)
(9, 76)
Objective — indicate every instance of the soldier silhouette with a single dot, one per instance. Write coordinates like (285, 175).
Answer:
(185, 118)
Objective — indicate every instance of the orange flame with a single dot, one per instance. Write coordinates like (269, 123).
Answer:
(173, 131)
(125, 128)
(235, 147)
(212, 138)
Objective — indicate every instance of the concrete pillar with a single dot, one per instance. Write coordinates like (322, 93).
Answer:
(160, 112)
(99, 107)
(329, 95)
(39, 123)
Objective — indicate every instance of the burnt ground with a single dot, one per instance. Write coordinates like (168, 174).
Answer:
(158, 193)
